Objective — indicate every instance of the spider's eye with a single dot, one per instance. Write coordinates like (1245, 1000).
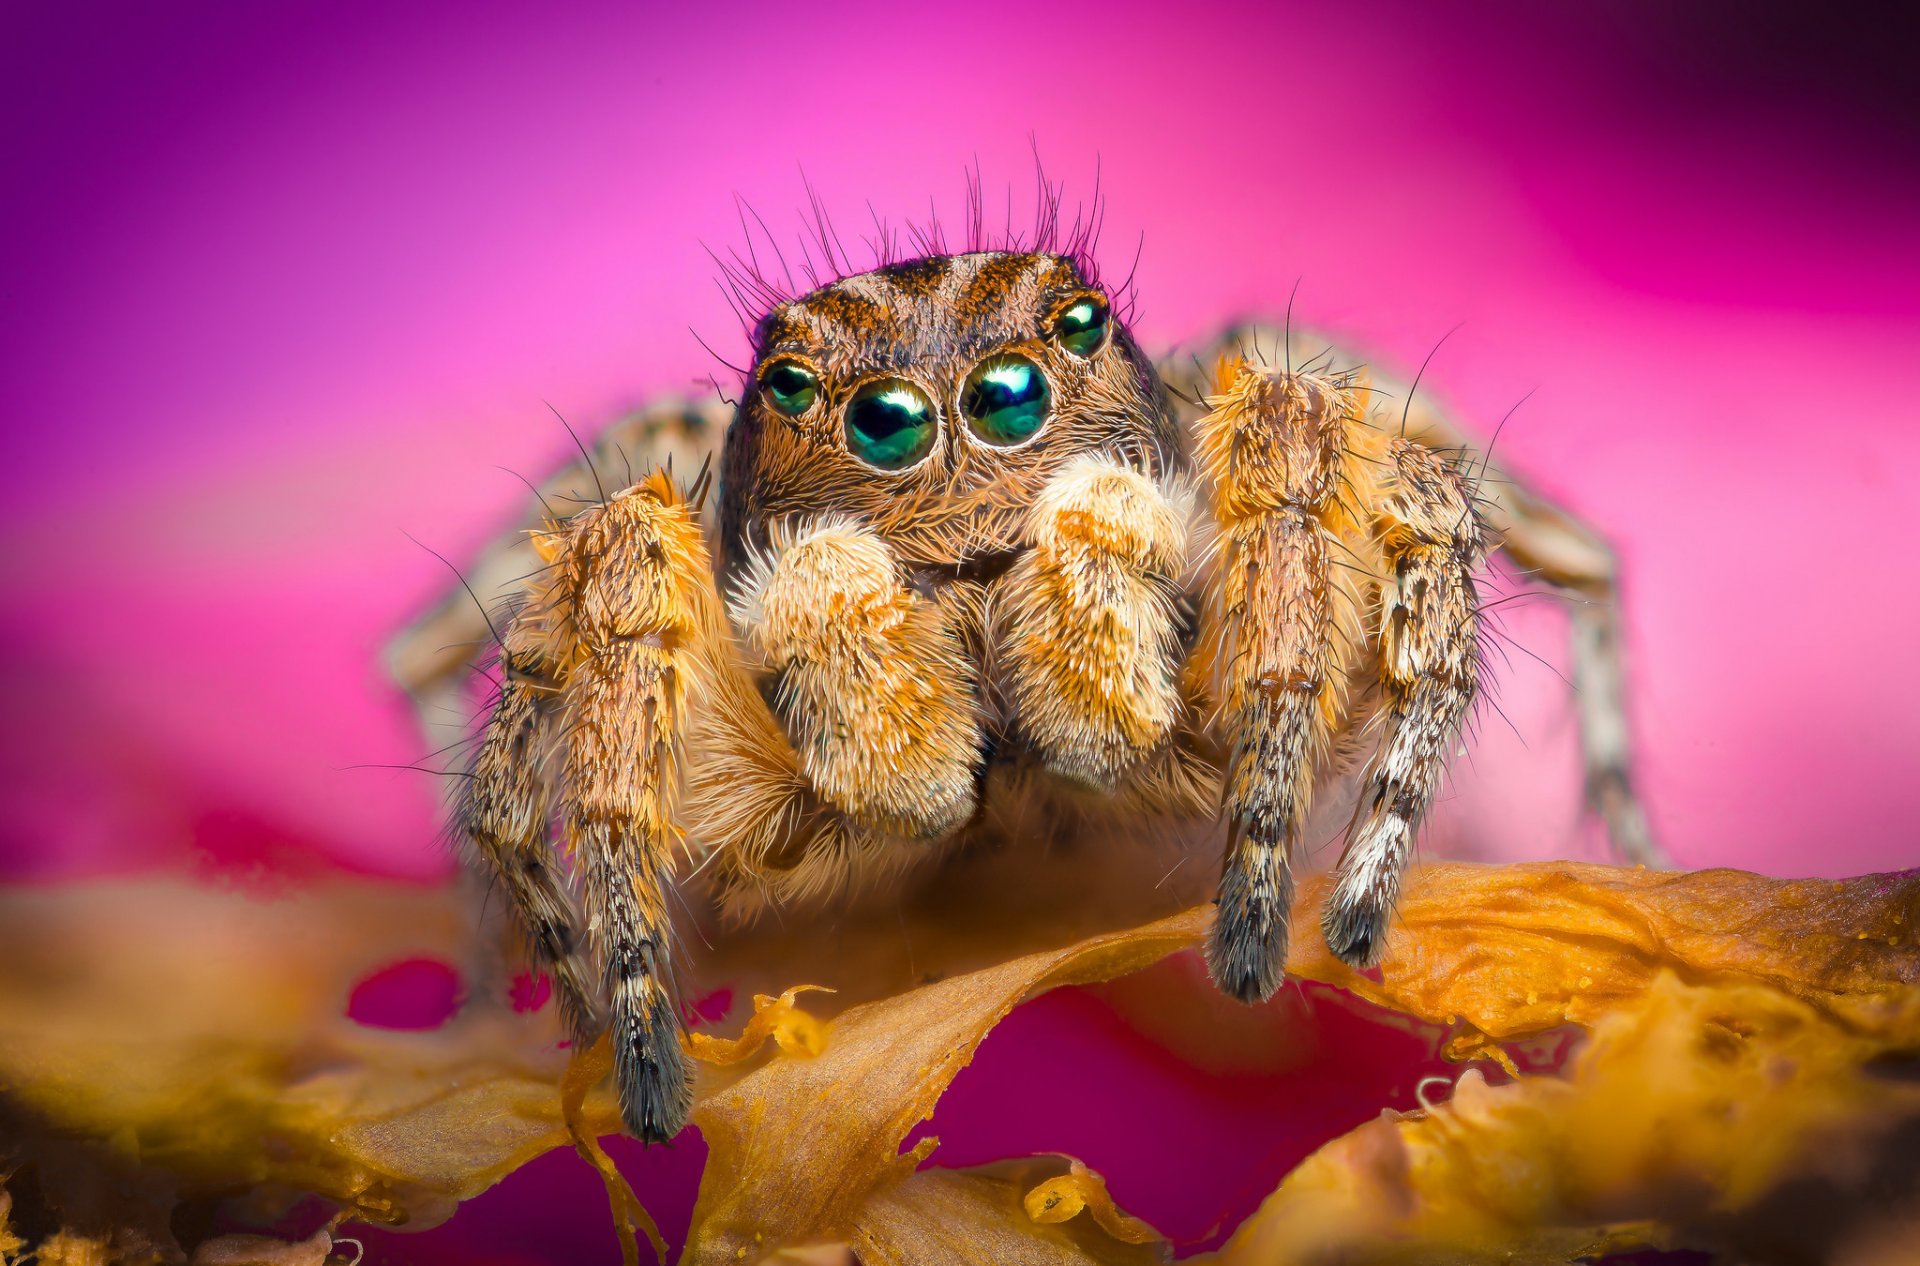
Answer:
(790, 386)
(1082, 328)
(1005, 399)
(890, 424)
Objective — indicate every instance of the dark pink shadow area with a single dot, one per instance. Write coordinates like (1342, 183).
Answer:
(1191, 1152)
(553, 1210)
(711, 1008)
(419, 993)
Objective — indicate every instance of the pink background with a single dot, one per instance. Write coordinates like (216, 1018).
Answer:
(282, 286)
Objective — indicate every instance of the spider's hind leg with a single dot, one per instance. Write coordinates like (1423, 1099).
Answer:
(1551, 547)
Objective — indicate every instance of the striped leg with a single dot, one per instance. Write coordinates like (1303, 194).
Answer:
(504, 811)
(1429, 671)
(1273, 448)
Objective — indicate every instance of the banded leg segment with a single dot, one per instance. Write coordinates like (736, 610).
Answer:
(1085, 625)
(1548, 545)
(1273, 448)
(640, 603)
(1429, 668)
(503, 816)
(1553, 548)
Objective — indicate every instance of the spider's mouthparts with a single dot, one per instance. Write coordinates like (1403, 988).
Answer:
(980, 568)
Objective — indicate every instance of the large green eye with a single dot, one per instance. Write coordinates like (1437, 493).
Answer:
(1005, 399)
(1082, 328)
(791, 386)
(890, 424)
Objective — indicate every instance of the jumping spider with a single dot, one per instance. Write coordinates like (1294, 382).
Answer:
(970, 541)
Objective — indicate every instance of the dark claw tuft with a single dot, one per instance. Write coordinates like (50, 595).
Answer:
(1357, 935)
(1247, 948)
(655, 1081)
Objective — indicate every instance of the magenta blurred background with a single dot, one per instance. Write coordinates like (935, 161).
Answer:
(284, 284)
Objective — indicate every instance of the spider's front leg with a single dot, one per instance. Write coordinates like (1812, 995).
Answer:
(1429, 636)
(1086, 626)
(600, 661)
(1284, 630)
(640, 600)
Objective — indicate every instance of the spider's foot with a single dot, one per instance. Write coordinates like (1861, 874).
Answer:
(654, 1077)
(1247, 947)
(1356, 929)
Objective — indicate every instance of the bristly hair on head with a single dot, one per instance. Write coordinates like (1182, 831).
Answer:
(754, 283)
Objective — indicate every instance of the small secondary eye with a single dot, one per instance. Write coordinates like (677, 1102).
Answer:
(790, 386)
(1005, 399)
(1082, 328)
(890, 424)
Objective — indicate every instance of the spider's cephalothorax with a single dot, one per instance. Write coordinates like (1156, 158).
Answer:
(931, 401)
(967, 540)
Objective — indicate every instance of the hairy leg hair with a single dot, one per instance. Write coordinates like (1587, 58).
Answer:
(502, 816)
(1429, 671)
(1085, 626)
(636, 580)
(1547, 544)
(1285, 627)
(875, 689)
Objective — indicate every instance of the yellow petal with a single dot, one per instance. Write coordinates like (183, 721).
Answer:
(1719, 1114)
(792, 1030)
(957, 1217)
(799, 1146)
(1081, 1190)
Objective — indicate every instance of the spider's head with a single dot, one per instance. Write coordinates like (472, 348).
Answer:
(932, 399)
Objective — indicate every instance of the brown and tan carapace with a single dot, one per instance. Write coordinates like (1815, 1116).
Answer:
(972, 551)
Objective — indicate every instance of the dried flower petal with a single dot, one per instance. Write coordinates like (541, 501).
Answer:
(942, 1216)
(178, 1029)
(1506, 952)
(1081, 1190)
(792, 1030)
(791, 1152)
(10, 1244)
(1719, 1114)
(586, 1070)
(264, 1250)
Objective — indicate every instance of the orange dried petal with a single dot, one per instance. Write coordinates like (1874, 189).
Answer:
(177, 1028)
(1704, 1114)
(264, 1250)
(587, 1069)
(1507, 952)
(799, 1146)
(792, 1030)
(983, 1215)
(1081, 1190)
(10, 1244)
